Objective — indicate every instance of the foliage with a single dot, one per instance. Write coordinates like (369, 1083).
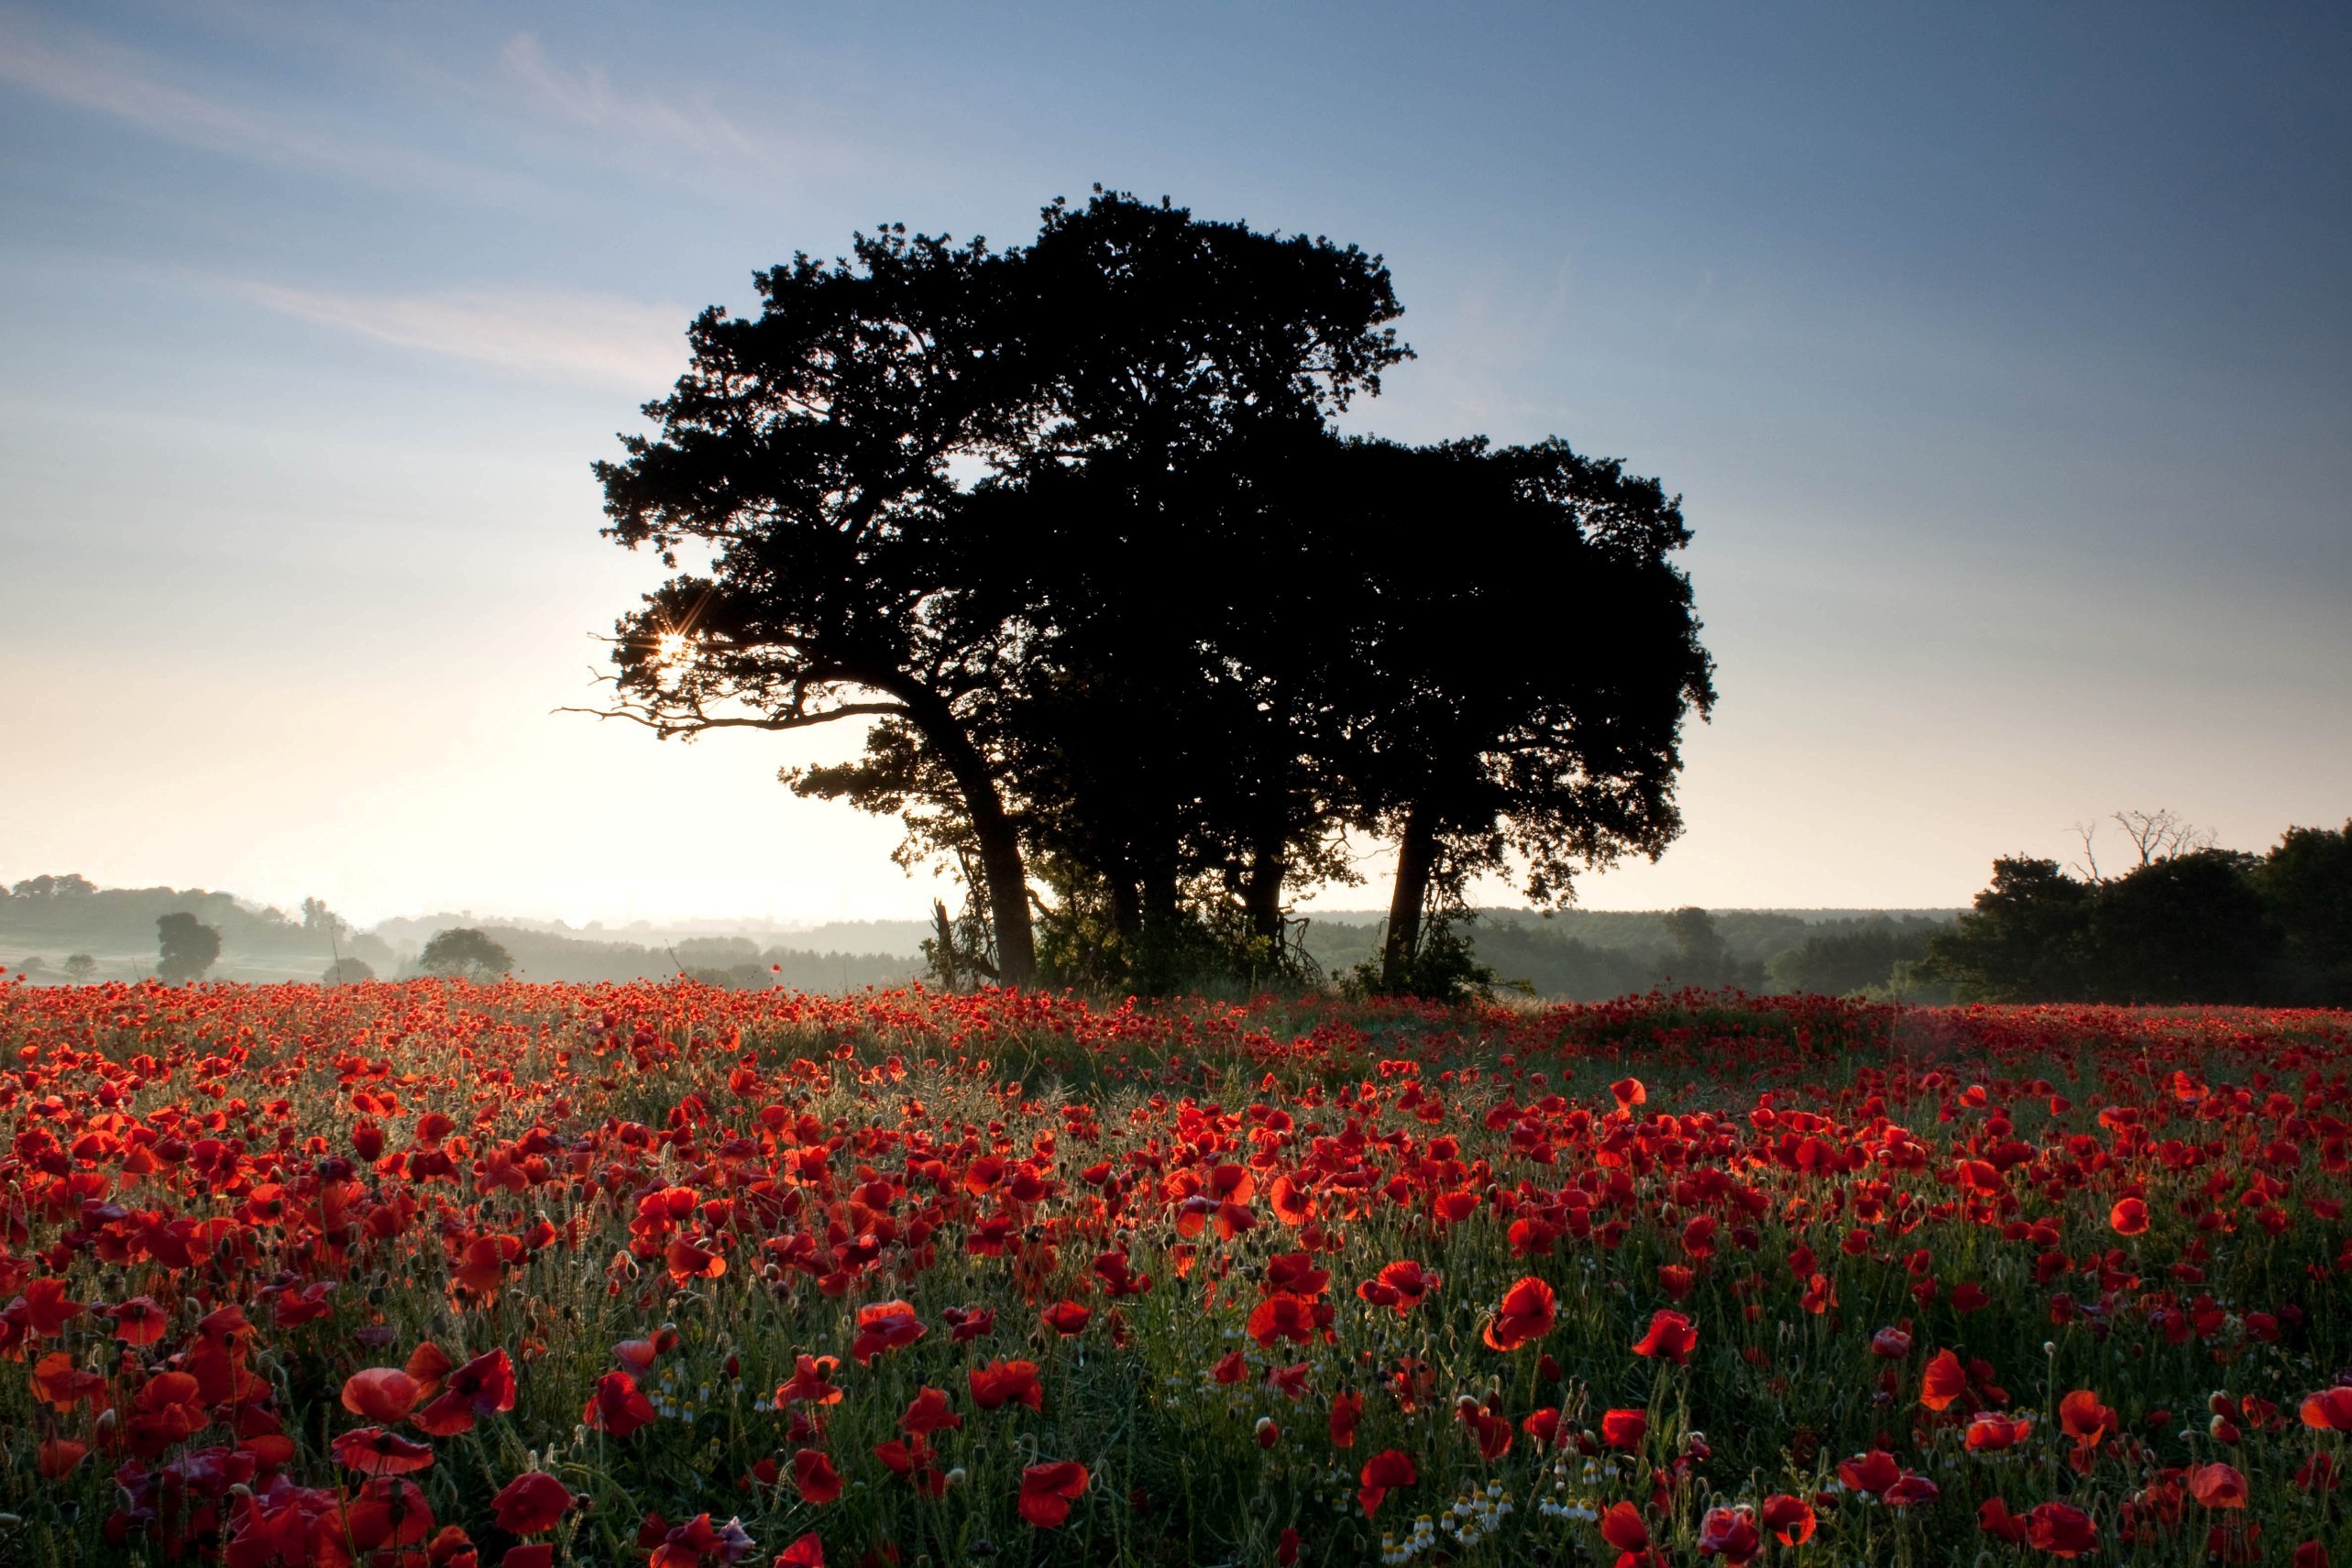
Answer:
(1848, 956)
(465, 953)
(1068, 528)
(437, 1273)
(2192, 924)
(815, 450)
(186, 948)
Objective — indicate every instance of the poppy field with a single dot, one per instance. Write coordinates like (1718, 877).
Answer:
(440, 1275)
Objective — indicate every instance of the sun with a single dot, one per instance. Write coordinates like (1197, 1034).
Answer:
(672, 648)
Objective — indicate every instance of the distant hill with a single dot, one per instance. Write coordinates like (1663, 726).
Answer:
(45, 921)
(1589, 954)
(1577, 954)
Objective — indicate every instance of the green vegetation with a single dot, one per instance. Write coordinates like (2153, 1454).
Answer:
(2189, 922)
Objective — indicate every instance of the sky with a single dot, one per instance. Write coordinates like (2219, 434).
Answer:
(2002, 356)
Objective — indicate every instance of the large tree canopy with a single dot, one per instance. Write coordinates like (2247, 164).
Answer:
(1068, 525)
(815, 454)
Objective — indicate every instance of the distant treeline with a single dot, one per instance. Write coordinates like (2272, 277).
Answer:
(1587, 956)
(64, 927)
(2189, 923)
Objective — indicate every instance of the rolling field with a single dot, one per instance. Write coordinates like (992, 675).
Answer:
(431, 1274)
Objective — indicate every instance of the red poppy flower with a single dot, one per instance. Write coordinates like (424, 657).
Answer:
(807, 1383)
(2084, 1419)
(533, 1502)
(1231, 1368)
(1382, 1474)
(1049, 1489)
(1790, 1519)
(1527, 1314)
(2061, 1529)
(59, 1457)
(686, 1261)
(616, 1407)
(1989, 1431)
(813, 1473)
(525, 1554)
(2330, 1409)
(2129, 1217)
(806, 1553)
(1622, 1527)
(1542, 1425)
(2217, 1486)
(47, 1308)
(1892, 1344)
(1624, 1429)
(1731, 1534)
(372, 1450)
(1002, 1383)
(1400, 1286)
(483, 1386)
(60, 1385)
(1873, 1473)
(1994, 1517)
(1288, 1318)
(884, 1325)
(968, 1323)
(928, 1413)
(381, 1394)
(1944, 1381)
(1671, 1335)
(1346, 1409)
(140, 1321)
(1068, 1317)
(1629, 1093)
(697, 1542)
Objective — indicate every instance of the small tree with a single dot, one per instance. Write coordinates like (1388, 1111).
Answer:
(465, 953)
(80, 967)
(189, 948)
(347, 972)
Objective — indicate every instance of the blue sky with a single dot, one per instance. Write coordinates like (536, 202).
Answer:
(2002, 355)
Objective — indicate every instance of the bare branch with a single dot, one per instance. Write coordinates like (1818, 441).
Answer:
(669, 725)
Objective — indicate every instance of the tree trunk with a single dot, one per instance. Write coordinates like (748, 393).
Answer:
(1416, 859)
(1261, 890)
(1000, 844)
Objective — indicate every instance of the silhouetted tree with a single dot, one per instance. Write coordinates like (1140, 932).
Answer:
(2028, 938)
(1518, 669)
(465, 953)
(188, 947)
(80, 967)
(347, 972)
(2306, 884)
(819, 452)
(2188, 926)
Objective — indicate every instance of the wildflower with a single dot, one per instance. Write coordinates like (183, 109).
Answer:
(1049, 1489)
(1671, 1335)
(884, 1325)
(1624, 1429)
(1527, 1314)
(2061, 1529)
(1382, 1474)
(1005, 1382)
(814, 1477)
(532, 1503)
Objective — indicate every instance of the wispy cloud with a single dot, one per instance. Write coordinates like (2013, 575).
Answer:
(581, 339)
(106, 79)
(586, 97)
